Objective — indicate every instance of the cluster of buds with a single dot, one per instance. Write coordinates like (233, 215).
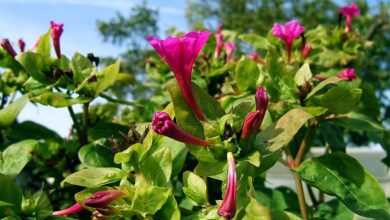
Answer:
(99, 200)
(253, 120)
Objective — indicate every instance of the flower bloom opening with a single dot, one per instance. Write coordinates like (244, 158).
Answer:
(349, 12)
(56, 32)
(163, 124)
(6, 45)
(228, 206)
(288, 33)
(347, 74)
(101, 199)
(180, 54)
(71, 210)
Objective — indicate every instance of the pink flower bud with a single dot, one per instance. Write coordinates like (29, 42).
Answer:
(349, 12)
(261, 98)
(288, 33)
(305, 50)
(256, 57)
(21, 44)
(163, 124)
(6, 45)
(229, 48)
(218, 41)
(71, 210)
(180, 54)
(101, 199)
(347, 74)
(228, 206)
(56, 32)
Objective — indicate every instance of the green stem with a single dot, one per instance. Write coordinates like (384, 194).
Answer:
(207, 191)
(304, 145)
(301, 196)
(108, 98)
(75, 123)
(84, 136)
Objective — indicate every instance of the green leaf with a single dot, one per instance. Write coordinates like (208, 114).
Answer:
(210, 169)
(157, 168)
(342, 176)
(16, 156)
(11, 193)
(284, 215)
(189, 122)
(96, 154)
(334, 210)
(334, 136)
(133, 153)
(94, 177)
(178, 151)
(358, 122)
(255, 210)
(11, 112)
(255, 40)
(269, 161)
(32, 130)
(81, 67)
(170, 210)
(58, 99)
(303, 75)
(247, 73)
(321, 85)
(149, 199)
(194, 187)
(36, 65)
(43, 46)
(339, 101)
(281, 132)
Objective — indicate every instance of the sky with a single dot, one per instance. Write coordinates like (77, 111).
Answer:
(28, 19)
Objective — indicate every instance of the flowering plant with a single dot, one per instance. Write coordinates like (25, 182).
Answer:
(225, 119)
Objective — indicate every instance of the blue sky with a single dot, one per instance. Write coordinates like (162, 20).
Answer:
(28, 19)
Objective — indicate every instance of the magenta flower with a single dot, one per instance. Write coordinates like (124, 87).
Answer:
(21, 44)
(71, 210)
(218, 41)
(6, 45)
(180, 54)
(163, 124)
(56, 31)
(253, 120)
(349, 12)
(347, 74)
(229, 48)
(102, 198)
(228, 206)
(288, 33)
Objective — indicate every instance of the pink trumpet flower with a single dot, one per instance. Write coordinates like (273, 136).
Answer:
(218, 42)
(102, 198)
(347, 74)
(6, 45)
(349, 12)
(56, 32)
(21, 44)
(288, 33)
(163, 124)
(228, 206)
(71, 210)
(180, 53)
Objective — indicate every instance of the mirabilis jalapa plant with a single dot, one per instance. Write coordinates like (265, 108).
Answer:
(206, 153)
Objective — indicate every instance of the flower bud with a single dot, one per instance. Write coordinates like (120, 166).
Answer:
(163, 124)
(261, 100)
(6, 45)
(56, 32)
(251, 124)
(229, 47)
(347, 74)
(21, 44)
(71, 210)
(102, 198)
(306, 50)
(228, 206)
(255, 57)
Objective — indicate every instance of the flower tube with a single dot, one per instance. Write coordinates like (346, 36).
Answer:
(56, 32)
(21, 44)
(180, 54)
(228, 206)
(71, 210)
(163, 124)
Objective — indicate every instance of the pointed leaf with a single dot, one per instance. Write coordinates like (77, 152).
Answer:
(16, 156)
(94, 177)
(11, 112)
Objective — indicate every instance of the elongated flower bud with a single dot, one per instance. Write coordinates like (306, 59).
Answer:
(253, 120)
(347, 74)
(163, 124)
(71, 210)
(229, 48)
(102, 198)
(228, 206)
(261, 100)
(306, 50)
(21, 44)
(218, 42)
(6, 45)
(56, 32)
